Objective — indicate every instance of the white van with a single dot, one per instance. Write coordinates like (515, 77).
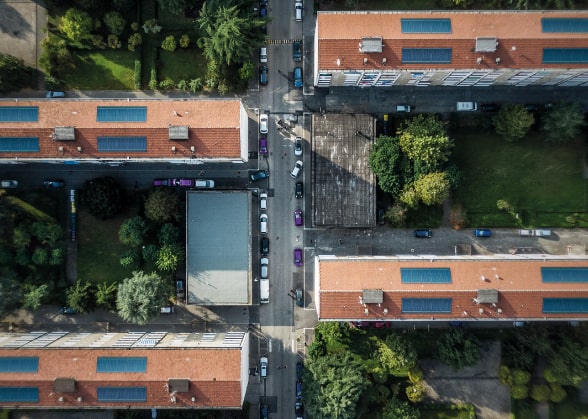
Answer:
(263, 55)
(263, 201)
(298, 10)
(264, 291)
(263, 223)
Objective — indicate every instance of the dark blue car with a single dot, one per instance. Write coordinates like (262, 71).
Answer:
(483, 232)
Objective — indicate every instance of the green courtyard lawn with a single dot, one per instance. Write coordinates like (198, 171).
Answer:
(103, 70)
(451, 411)
(543, 182)
(569, 409)
(183, 64)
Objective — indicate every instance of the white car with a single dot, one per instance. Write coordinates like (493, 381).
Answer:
(263, 366)
(263, 201)
(297, 169)
(8, 184)
(264, 268)
(263, 223)
(298, 146)
(201, 183)
(263, 123)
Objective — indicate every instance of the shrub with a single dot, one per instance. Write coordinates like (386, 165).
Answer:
(134, 41)
(137, 75)
(520, 377)
(519, 392)
(504, 375)
(184, 41)
(415, 374)
(98, 41)
(135, 26)
(396, 215)
(169, 43)
(52, 83)
(195, 85)
(167, 84)
(540, 392)
(557, 393)
(114, 22)
(114, 42)
(549, 376)
(183, 85)
(153, 80)
(415, 393)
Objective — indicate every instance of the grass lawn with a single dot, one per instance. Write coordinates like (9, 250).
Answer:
(183, 64)
(103, 70)
(445, 413)
(570, 409)
(543, 182)
(99, 250)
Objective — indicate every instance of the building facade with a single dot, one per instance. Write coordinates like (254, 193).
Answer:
(440, 48)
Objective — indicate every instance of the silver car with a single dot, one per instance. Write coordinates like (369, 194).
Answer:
(297, 169)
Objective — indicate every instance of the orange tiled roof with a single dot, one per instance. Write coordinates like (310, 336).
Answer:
(341, 282)
(520, 39)
(214, 375)
(214, 128)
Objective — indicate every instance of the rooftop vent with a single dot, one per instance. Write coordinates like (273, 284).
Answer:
(178, 132)
(486, 44)
(371, 44)
(64, 133)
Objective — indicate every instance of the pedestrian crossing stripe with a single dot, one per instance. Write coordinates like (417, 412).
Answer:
(281, 41)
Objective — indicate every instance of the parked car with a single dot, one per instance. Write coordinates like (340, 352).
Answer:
(264, 262)
(263, 223)
(263, 55)
(297, 51)
(299, 410)
(263, 411)
(8, 184)
(162, 182)
(264, 246)
(299, 297)
(299, 370)
(167, 310)
(423, 233)
(263, 201)
(298, 257)
(263, 366)
(263, 123)
(298, 77)
(258, 175)
(263, 75)
(298, 11)
(298, 146)
(298, 221)
(54, 183)
(489, 107)
(263, 146)
(402, 108)
(298, 390)
(297, 169)
(203, 183)
(299, 190)
(183, 182)
(483, 232)
(55, 94)
(68, 310)
(262, 11)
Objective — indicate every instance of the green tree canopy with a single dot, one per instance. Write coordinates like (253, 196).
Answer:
(115, 23)
(140, 297)
(458, 350)
(81, 296)
(513, 122)
(34, 295)
(396, 353)
(106, 295)
(132, 232)
(563, 122)
(169, 43)
(175, 7)
(9, 289)
(169, 257)
(398, 409)
(432, 188)
(76, 25)
(102, 196)
(56, 59)
(385, 161)
(423, 138)
(14, 74)
(161, 205)
(569, 363)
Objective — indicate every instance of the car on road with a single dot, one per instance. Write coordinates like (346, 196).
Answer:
(54, 183)
(68, 310)
(298, 221)
(403, 108)
(298, 257)
(263, 411)
(263, 366)
(166, 310)
(263, 55)
(258, 175)
(263, 123)
(262, 11)
(298, 146)
(263, 223)
(423, 233)
(264, 262)
(183, 182)
(264, 246)
(298, 11)
(299, 297)
(299, 190)
(263, 201)
(299, 410)
(162, 182)
(298, 77)
(297, 51)
(263, 146)
(52, 94)
(297, 169)
(299, 370)
(263, 75)
(483, 232)
(298, 390)
(204, 183)
(489, 107)
(8, 184)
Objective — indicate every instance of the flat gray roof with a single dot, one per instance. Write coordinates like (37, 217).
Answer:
(344, 186)
(218, 247)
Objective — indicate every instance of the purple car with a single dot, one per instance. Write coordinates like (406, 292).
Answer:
(263, 145)
(183, 182)
(298, 218)
(298, 257)
(161, 182)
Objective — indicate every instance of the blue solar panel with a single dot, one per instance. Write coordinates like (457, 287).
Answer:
(565, 55)
(426, 55)
(19, 364)
(425, 275)
(426, 305)
(564, 25)
(19, 144)
(19, 394)
(122, 144)
(565, 305)
(564, 274)
(122, 394)
(19, 113)
(121, 364)
(121, 114)
(426, 25)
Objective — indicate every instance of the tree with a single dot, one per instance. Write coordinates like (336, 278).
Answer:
(34, 295)
(56, 59)
(47, 233)
(399, 410)
(169, 258)
(9, 289)
(457, 349)
(161, 205)
(396, 215)
(563, 122)
(385, 161)
(432, 188)
(106, 295)
(184, 40)
(558, 393)
(569, 362)
(132, 232)
(513, 122)
(40, 256)
(140, 297)
(113, 41)
(175, 7)
(76, 25)
(169, 43)
(415, 393)
(102, 196)
(14, 74)
(80, 296)
(519, 392)
(168, 234)
(424, 139)
(540, 392)
(134, 41)
(396, 353)
(246, 71)
(115, 23)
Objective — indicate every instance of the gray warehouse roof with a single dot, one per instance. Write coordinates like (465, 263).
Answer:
(218, 248)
